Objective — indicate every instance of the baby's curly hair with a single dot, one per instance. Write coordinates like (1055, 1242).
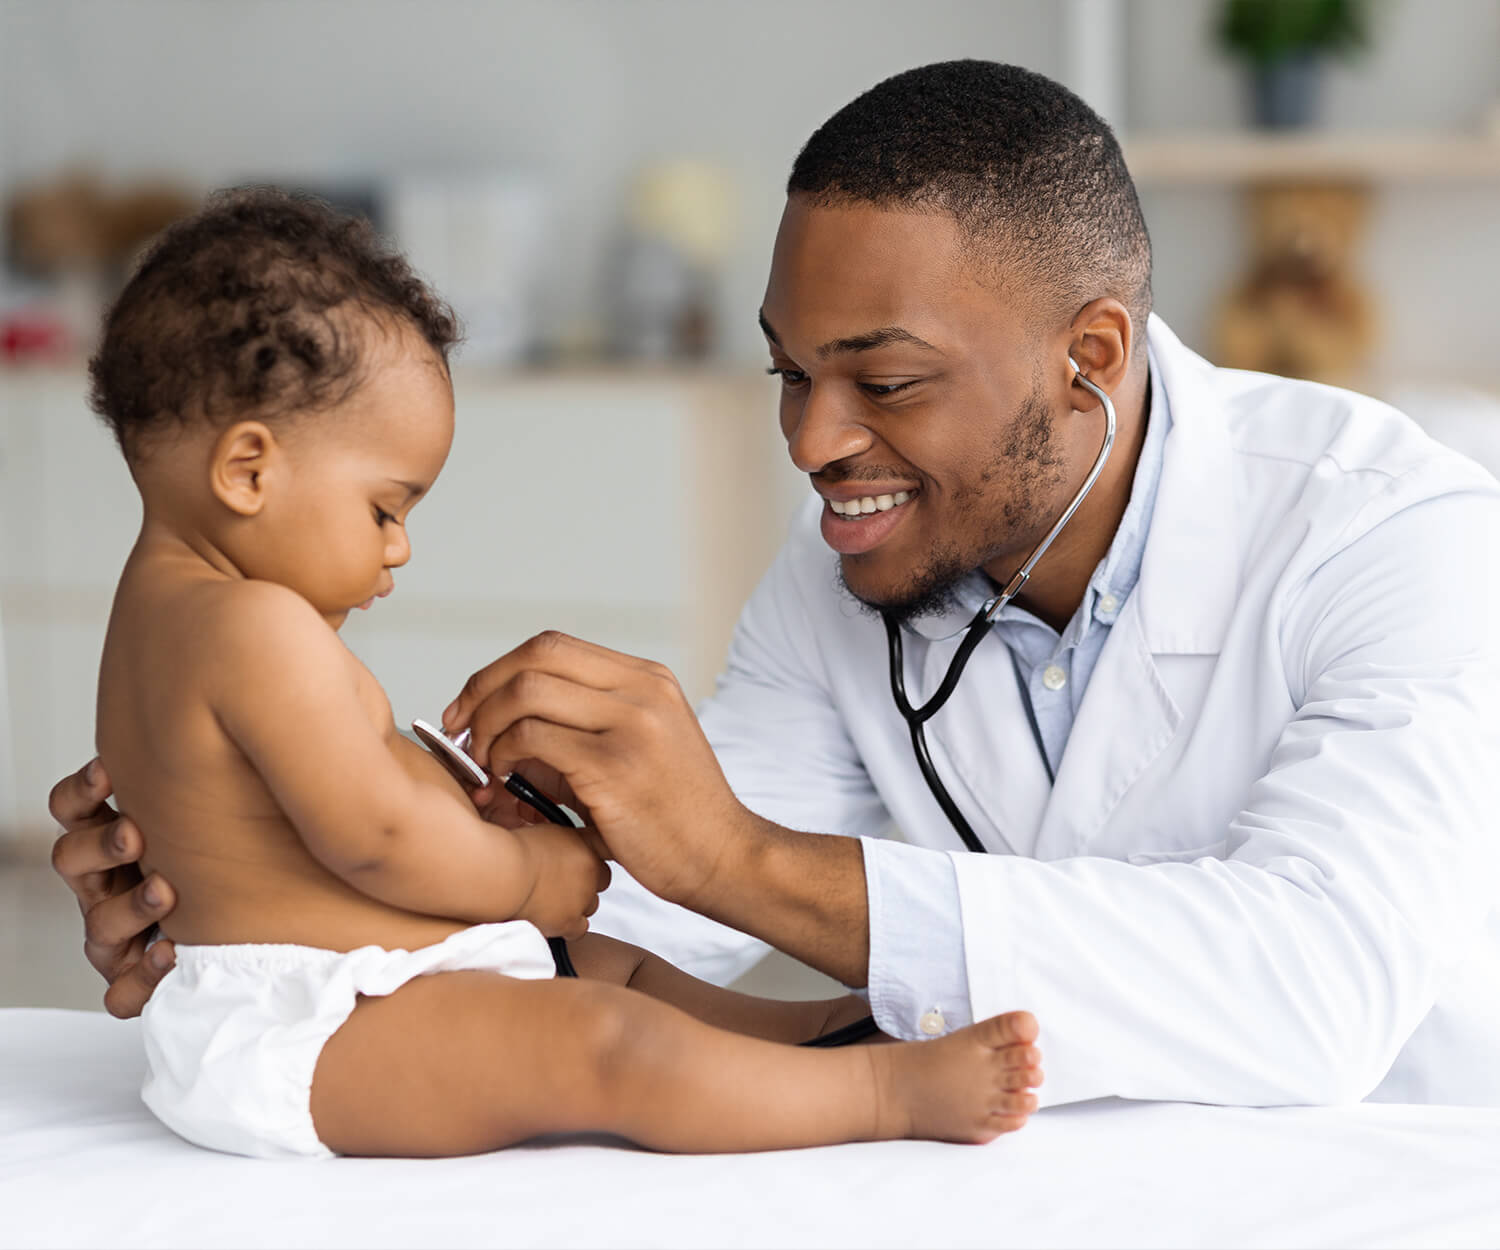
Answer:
(254, 306)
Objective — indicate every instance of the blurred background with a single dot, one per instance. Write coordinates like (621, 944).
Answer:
(595, 184)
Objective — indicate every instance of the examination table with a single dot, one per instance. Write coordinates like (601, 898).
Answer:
(82, 1163)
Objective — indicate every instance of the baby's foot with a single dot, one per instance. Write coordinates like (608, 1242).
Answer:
(970, 1086)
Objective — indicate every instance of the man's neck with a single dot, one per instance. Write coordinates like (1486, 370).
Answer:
(1061, 577)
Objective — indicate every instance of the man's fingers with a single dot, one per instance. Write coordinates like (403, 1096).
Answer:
(109, 926)
(558, 746)
(97, 848)
(544, 696)
(127, 993)
(86, 859)
(561, 655)
(79, 799)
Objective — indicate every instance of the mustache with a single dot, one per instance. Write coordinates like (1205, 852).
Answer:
(833, 475)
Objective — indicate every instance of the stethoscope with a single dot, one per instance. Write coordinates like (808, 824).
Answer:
(917, 717)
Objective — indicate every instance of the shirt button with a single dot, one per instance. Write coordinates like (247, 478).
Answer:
(1108, 603)
(1053, 677)
(932, 1023)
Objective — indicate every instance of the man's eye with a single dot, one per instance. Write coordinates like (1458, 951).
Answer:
(789, 377)
(885, 388)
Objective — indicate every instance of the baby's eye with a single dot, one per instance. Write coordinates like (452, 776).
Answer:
(382, 516)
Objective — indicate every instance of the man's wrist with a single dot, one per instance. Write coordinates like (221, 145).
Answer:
(804, 893)
(736, 863)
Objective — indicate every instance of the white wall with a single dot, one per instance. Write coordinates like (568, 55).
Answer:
(582, 90)
(586, 90)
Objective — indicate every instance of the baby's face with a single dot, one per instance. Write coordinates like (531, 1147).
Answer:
(338, 517)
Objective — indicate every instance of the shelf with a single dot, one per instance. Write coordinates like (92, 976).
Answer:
(1208, 159)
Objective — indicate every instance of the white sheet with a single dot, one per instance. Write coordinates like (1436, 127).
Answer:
(82, 1163)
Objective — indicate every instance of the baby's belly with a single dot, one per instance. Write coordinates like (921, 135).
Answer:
(271, 897)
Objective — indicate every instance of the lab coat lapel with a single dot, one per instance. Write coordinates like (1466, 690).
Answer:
(1181, 605)
(1126, 719)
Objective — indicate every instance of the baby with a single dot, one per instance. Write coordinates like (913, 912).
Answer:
(362, 963)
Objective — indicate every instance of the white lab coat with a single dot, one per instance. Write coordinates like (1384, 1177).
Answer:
(1267, 871)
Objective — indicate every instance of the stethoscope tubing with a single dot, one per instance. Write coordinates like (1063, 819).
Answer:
(917, 717)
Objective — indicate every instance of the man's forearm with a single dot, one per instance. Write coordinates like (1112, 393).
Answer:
(802, 892)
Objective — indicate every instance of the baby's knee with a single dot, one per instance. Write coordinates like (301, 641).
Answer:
(611, 1028)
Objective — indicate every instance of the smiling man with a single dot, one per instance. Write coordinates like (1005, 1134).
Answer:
(1228, 754)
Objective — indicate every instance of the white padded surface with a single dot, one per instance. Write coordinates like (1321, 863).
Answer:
(82, 1163)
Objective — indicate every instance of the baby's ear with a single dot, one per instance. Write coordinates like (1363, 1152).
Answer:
(242, 457)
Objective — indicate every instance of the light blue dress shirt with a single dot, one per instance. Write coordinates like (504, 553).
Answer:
(919, 982)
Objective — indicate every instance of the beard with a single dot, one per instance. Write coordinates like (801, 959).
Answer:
(1029, 458)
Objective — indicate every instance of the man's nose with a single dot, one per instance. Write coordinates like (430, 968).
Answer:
(823, 431)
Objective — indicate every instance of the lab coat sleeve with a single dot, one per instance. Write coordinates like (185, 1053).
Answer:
(1291, 965)
(784, 750)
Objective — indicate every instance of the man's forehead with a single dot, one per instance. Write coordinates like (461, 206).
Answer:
(848, 272)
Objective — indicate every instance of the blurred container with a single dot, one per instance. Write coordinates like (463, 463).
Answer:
(480, 242)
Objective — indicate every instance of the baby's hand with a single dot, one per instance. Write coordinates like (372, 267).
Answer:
(569, 877)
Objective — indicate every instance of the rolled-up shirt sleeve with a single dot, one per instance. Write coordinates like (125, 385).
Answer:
(919, 980)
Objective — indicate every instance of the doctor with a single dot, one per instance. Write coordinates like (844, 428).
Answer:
(1230, 753)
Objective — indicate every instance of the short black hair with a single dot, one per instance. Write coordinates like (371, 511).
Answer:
(252, 307)
(1031, 173)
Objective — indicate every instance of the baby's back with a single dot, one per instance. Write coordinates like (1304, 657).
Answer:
(213, 829)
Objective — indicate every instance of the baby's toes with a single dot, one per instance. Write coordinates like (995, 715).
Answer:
(1014, 1102)
(1020, 1067)
(1013, 1029)
(1006, 1122)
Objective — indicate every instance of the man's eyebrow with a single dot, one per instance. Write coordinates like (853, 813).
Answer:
(870, 340)
(866, 342)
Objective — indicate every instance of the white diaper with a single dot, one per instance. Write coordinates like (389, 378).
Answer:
(233, 1033)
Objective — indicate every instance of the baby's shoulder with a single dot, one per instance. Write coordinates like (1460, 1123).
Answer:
(248, 626)
(252, 608)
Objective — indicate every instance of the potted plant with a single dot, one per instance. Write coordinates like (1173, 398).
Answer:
(1285, 43)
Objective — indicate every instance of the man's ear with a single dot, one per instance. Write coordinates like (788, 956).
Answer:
(1101, 341)
(243, 459)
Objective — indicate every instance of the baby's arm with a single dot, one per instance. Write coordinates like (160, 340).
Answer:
(286, 695)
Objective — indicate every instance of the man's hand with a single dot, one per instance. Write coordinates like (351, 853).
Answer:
(97, 856)
(622, 734)
(570, 876)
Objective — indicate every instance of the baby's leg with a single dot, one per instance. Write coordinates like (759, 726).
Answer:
(462, 1062)
(601, 958)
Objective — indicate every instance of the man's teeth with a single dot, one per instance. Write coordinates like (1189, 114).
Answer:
(870, 503)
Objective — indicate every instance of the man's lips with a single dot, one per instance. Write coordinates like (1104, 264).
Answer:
(851, 534)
